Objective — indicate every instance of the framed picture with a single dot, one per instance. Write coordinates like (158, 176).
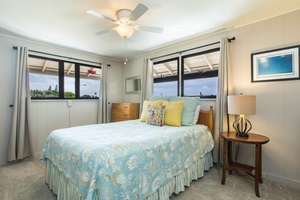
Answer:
(275, 65)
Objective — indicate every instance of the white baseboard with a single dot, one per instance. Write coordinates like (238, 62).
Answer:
(283, 180)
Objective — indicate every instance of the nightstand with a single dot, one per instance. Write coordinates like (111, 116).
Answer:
(255, 139)
(124, 111)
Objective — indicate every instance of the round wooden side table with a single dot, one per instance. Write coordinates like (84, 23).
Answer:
(255, 139)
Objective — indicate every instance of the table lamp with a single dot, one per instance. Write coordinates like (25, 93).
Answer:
(242, 105)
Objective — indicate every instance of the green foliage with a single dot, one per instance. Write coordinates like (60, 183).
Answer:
(44, 94)
(69, 95)
(86, 96)
(55, 94)
(49, 94)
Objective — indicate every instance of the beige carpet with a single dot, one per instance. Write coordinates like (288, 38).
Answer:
(25, 181)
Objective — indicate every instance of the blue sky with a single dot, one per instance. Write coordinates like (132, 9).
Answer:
(207, 86)
(43, 81)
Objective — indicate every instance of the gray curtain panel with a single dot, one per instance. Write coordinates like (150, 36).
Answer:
(102, 104)
(147, 82)
(20, 140)
(224, 88)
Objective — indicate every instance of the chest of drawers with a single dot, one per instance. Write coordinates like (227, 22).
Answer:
(124, 111)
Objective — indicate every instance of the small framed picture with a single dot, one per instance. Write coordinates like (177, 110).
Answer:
(275, 65)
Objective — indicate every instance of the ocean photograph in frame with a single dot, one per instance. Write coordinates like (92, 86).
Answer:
(275, 65)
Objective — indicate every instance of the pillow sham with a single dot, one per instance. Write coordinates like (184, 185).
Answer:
(145, 108)
(156, 98)
(155, 115)
(197, 112)
(173, 112)
(188, 111)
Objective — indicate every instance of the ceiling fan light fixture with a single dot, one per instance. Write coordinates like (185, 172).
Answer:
(123, 16)
(125, 23)
(125, 30)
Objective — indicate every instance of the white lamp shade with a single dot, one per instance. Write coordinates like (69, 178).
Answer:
(125, 30)
(242, 104)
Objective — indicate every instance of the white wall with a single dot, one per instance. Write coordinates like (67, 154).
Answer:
(278, 109)
(49, 115)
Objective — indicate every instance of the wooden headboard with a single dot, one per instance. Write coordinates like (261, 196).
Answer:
(206, 118)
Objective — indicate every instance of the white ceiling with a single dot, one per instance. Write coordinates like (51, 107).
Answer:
(66, 23)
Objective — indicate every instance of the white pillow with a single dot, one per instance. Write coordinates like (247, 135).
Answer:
(196, 114)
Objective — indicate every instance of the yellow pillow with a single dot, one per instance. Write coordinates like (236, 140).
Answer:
(173, 112)
(145, 108)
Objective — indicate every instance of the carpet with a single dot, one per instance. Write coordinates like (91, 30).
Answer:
(25, 180)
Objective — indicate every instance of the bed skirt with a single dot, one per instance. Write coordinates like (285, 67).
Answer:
(65, 190)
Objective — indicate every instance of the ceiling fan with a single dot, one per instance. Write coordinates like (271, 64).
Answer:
(125, 23)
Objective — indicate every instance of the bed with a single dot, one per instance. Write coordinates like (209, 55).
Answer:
(127, 160)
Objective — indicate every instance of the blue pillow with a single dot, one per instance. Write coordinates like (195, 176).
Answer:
(155, 98)
(189, 108)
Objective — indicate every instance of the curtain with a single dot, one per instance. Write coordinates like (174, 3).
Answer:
(20, 139)
(102, 104)
(224, 88)
(147, 81)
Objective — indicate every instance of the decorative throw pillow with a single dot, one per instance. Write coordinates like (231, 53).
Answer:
(145, 108)
(188, 111)
(155, 115)
(173, 112)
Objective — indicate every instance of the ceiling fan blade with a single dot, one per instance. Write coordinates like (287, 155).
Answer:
(104, 31)
(152, 29)
(139, 10)
(97, 14)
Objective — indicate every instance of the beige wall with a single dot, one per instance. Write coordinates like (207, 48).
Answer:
(278, 109)
(49, 115)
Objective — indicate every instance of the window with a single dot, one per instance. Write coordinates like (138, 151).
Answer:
(199, 75)
(89, 82)
(58, 79)
(166, 78)
(69, 80)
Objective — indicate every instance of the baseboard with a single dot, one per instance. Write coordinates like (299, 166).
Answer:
(37, 155)
(283, 180)
(3, 163)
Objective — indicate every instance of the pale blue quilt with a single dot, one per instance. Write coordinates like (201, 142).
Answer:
(124, 160)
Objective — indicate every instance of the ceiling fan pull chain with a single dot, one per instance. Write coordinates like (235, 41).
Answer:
(126, 48)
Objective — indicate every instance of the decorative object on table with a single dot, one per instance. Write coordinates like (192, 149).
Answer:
(275, 65)
(242, 105)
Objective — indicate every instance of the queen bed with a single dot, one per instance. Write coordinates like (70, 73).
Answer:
(127, 160)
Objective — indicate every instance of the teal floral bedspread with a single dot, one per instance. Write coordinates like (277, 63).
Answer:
(124, 160)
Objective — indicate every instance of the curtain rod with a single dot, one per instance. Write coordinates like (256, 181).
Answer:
(49, 54)
(179, 52)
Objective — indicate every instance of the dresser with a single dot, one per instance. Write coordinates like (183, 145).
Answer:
(124, 111)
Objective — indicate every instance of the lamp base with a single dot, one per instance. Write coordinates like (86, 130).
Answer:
(242, 134)
(242, 126)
